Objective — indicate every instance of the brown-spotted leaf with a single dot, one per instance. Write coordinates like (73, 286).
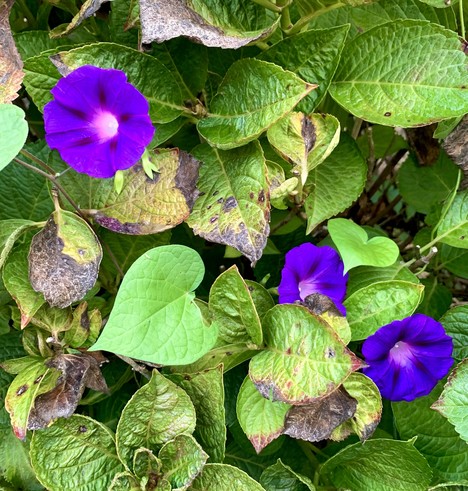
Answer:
(88, 8)
(316, 421)
(456, 145)
(233, 207)
(64, 259)
(148, 206)
(77, 373)
(85, 326)
(11, 66)
(224, 24)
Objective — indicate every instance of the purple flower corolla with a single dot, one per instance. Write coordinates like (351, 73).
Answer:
(311, 269)
(407, 358)
(98, 121)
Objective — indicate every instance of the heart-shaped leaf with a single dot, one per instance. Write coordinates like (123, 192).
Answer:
(355, 247)
(154, 317)
(13, 132)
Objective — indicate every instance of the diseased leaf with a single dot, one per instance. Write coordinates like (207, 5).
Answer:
(261, 419)
(11, 66)
(124, 481)
(453, 229)
(13, 129)
(317, 420)
(88, 448)
(233, 207)
(64, 259)
(225, 24)
(145, 463)
(456, 146)
(219, 477)
(373, 83)
(281, 476)
(240, 112)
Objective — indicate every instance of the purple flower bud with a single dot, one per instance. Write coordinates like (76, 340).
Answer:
(98, 121)
(407, 358)
(311, 269)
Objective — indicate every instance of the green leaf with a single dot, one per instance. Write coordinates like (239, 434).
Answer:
(182, 460)
(156, 298)
(437, 298)
(425, 186)
(313, 55)
(148, 75)
(437, 439)
(281, 476)
(368, 411)
(13, 133)
(206, 390)
(88, 8)
(440, 3)
(156, 413)
(261, 419)
(304, 141)
(87, 447)
(124, 481)
(445, 127)
(453, 229)
(33, 43)
(10, 230)
(336, 183)
(262, 299)
(234, 310)
(379, 304)
(455, 260)
(16, 280)
(299, 364)
(455, 322)
(219, 477)
(373, 83)
(355, 247)
(233, 206)
(380, 465)
(450, 486)
(242, 110)
(145, 463)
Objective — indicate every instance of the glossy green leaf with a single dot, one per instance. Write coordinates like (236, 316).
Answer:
(241, 110)
(437, 439)
(355, 247)
(379, 304)
(453, 229)
(262, 299)
(453, 402)
(261, 419)
(233, 206)
(436, 300)
(455, 260)
(156, 413)
(380, 465)
(281, 476)
(13, 133)
(455, 323)
(336, 183)
(373, 83)
(156, 298)
(219, 477)
(87, 447)
(300, 364)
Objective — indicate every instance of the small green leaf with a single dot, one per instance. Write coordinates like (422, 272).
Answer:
(10, 231)
(145, 463)
(379, 304)
(262, 299)
(261, 419)
(373, 83)
(455, 322)
(380, 465)
(355, 247)
(124, 481)
(304, 358)
(241, 110)
(453, 402)
(156, 413)
(453, 229)
(219, 477)
(87, 447)
(281, 476)
(13, 133)
(156, 298)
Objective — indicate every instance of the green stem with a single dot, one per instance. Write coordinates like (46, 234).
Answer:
(462, 19)
(286, 23)
(303, 21)
(356, 128)
(268, 5)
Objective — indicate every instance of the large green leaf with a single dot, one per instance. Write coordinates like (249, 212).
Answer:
(253, 95)
(261, 419)
(437, 439)
(281, 476)
(336, 183)
(379, 304)
(455, 322)
(219, 477)
(75, 453)
(374, 84)
(313, 55)
(233, 206)
(148, 75)
(453, 229)
(304, 359)
(156, 299)
(156, 413)
(380, 465)
(13, 132)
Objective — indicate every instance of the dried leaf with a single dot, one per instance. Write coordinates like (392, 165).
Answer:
(456, 145)
(64, 259)
(11, 66)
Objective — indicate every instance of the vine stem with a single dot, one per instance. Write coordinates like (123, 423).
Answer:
(268, 5)
(135, 366)
(462, 19)
(302, 22)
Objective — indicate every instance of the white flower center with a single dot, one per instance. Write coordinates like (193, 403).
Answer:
(106, 125)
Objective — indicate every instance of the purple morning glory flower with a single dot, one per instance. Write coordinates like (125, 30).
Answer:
(312, 269)
(407, 358)
(98, 121)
